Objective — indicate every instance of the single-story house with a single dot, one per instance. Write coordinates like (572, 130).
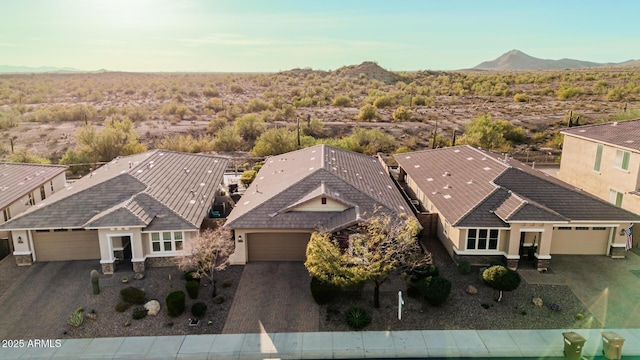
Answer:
(317, 188)
(491, 207)
(23, 186)
(142, 208)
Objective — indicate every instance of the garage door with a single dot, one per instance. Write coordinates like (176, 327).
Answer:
(66, 245)
(580, 240)
(277, 246)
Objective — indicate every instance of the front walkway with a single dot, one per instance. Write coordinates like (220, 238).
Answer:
(538, 344)
(273, 296)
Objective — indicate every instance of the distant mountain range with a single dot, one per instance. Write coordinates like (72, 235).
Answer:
(517, 60)
(9, 69)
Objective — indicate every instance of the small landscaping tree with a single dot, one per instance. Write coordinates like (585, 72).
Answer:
(501, 278)
(382, 245)
(207, 254)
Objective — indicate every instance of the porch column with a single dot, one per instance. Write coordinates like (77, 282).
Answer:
(513, 248)
(543, 256)
(106, 253)
(137, 252)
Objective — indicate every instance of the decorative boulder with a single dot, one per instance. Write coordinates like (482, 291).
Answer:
(472, 290)
(153, 307)
(537, 301)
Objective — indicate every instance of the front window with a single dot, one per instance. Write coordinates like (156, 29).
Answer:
(166, 241)
(622, 159)
(482, 239)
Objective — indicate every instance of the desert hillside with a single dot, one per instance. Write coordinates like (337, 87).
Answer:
(230, 113)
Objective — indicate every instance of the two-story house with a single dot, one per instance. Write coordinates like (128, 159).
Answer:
(23, 186)
(604, 160)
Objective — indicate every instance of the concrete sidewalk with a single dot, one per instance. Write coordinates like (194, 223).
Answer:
(331, 345)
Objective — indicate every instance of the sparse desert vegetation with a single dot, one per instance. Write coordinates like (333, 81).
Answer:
(72, 118)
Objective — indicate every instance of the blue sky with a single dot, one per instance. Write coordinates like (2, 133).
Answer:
(273, 35)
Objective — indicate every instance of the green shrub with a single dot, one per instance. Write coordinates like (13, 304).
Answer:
(219, 299)
(357, 318)
(435, 290)
(198, 309)
(501, 278)
(323, 292)
(424, 271)
(193, 287)
(464, 267)
(139, 313)
(122, 306)
(133, 295)
(175, 303)
(190, 275)
(75, 319)
(227, 283)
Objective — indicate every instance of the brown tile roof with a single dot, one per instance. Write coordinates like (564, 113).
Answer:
(351, 178)
(17, 180)
(472, 187)
(158, 189)
(622, 134)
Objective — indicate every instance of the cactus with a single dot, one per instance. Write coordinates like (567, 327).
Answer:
(95, 281)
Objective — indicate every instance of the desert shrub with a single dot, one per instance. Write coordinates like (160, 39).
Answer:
(383, 101)
(211, 92)
(175, 303)
(425, 271)
(198, 309)
(368, 112)
(257, 105)
(435, 290)
(520, 97)
(139, 313)
(227, 283)
(237, 89)
(357, 318)
(122, 306)
(215, 104)
(341, 100)
(464, 267)
(219, 299)
(569, 92)
(133, 295)
(402, 114)
(323, 292)
(193, 287)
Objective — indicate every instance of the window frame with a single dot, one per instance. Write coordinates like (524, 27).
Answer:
(487, 240)
(598, 160)
(619, 197)
(167, 241)
(6, 214)
(43, 193)
(622, 159)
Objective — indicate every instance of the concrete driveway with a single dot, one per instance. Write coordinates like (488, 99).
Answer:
(273, 297)
(608, 287)
(33, 299)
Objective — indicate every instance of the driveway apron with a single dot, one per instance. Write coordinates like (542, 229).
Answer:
(273, 297)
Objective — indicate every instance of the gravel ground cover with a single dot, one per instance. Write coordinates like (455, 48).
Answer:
(157, 284)
(462, 310)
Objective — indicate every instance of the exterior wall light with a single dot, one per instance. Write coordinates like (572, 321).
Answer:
(20, 240)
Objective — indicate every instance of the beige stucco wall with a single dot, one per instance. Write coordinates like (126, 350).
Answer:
(316, 205)
(576, 168)
(106, 243)
(240, 254)
(24, 248)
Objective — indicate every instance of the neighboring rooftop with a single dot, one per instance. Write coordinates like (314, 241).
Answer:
(623, 134)
(473, 187)
(17, 180)
(357, 181)
(157, 189)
